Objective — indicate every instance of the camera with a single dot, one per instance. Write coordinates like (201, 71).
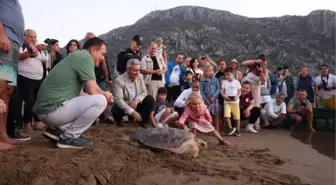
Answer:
(303, 104)
(260, 57)
(232, 98)
(325, 85)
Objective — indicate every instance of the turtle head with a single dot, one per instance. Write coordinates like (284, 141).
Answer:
(201, 144)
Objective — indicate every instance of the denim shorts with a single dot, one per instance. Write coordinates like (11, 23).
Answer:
(9, 64)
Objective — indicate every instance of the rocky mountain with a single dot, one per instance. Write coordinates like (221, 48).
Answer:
(291, 40)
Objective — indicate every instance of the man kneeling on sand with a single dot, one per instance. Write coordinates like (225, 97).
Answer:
(59, 103)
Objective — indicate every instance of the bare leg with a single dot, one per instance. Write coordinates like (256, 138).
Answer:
(238, 124)
(165, 114)
(5, 94)
(296, 120)
(228, 122)
(216, 118)
(217, 135)
(309, 117)
(220, 139)
(193, 131)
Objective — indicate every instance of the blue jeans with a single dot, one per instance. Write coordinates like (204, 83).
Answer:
(102, 85)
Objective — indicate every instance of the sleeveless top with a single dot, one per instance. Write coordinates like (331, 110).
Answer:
(252, 78)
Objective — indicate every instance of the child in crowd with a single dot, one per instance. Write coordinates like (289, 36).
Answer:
(163, 114)
(210, 90)
(231, 93)
(247, 108)
(198, 118)
(188, 75)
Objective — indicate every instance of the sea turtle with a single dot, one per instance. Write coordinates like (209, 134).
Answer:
(169, 139)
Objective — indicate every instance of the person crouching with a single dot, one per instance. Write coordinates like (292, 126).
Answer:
(247, 108)
(163, 113)
(198, 118)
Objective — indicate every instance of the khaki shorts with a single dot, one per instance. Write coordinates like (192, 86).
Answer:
(328, 103)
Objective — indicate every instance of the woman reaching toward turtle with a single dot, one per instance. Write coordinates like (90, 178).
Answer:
(199, 118)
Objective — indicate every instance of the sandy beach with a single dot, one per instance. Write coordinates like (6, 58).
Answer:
(271, 157)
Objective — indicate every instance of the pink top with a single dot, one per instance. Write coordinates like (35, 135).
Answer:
(188, 114)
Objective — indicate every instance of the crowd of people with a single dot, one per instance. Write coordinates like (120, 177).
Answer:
(65, 95)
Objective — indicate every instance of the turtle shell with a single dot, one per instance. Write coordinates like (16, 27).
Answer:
(162, 138)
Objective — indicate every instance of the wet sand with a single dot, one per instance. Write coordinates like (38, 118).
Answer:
(314, 153)
(271, 157)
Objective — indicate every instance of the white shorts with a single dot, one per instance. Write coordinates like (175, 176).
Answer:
(158, 115)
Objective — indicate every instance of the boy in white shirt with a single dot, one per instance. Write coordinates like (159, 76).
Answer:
(230, 91)
(274, 111)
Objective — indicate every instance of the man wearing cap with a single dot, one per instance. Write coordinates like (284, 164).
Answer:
(132, 52)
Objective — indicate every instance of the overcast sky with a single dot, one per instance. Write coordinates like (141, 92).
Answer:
(71, 19)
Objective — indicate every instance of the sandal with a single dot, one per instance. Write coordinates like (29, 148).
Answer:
(225, 143)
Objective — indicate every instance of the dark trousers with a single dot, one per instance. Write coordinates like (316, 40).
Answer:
(173, 93)
(144, 109)
(14, 118)
(28, 90)
(179, 110)
(254, 115)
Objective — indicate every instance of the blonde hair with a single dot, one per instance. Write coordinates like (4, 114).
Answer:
(194, 96)
(159, 39)
(208, 67)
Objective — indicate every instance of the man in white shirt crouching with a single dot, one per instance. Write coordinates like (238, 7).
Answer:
(274, 112)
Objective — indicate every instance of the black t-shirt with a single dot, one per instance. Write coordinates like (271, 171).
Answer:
(220, 76)
(124, 56)
(99, 72)
(155, 67)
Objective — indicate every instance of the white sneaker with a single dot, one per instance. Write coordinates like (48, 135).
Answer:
(232, 131)
(159, 125)
(185, 127)
(257, 125)
(165, 125)
(249, 128)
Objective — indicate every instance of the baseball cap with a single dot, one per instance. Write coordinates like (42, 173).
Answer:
(138, 39)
